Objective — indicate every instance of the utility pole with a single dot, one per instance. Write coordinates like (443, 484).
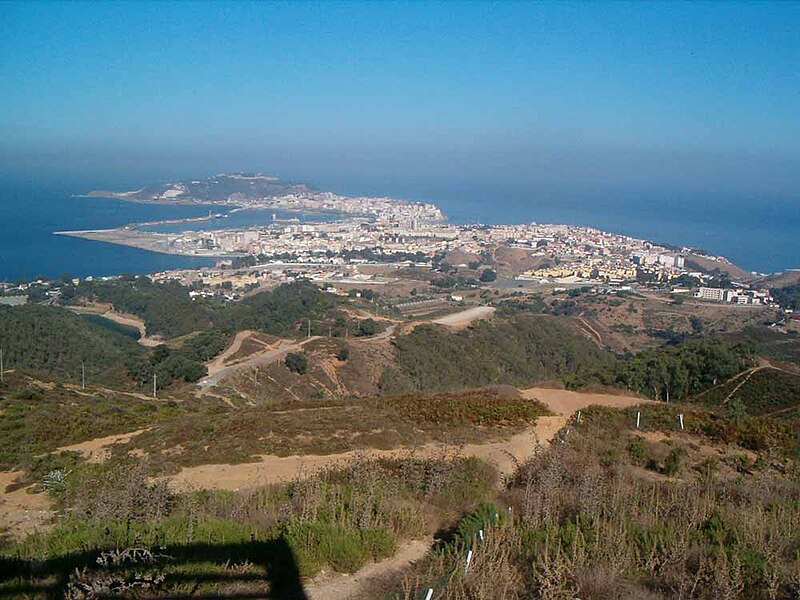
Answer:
(83, 376)
(154, 385)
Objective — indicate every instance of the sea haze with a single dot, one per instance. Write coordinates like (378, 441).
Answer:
(756, 234)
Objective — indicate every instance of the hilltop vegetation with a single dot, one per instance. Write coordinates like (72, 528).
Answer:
(671, 373)
(169, 311)
(518, 351)
(54, 340)
(165, 308)
(258, 543)
(609, 512)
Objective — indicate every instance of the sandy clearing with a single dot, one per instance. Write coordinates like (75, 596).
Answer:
(465, 317)
(22, 513)
(565, 402)
(98, 450)
(504, 454)
(339, 587)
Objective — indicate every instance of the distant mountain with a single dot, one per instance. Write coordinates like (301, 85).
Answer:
(218, 188)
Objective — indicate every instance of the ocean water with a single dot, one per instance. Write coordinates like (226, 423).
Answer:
(760, 235)
(29, 215)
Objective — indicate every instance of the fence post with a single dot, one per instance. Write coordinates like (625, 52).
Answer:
(680, 418)
(638, 418)
(578, 418)
(429, 595)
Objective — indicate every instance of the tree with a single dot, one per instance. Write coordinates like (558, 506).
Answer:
(367, 327)
(296, 362)
(488, 275)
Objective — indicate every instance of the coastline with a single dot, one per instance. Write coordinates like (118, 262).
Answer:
(153, 242)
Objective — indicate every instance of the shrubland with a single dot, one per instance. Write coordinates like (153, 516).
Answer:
(126, 535)
(516, 351)
(609, 511)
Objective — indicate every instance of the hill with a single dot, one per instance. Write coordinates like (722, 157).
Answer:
(218, 188)
(169, 311)
(521, 350)
(55, 340)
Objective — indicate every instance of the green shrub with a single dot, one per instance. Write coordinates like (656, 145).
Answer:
(296, 362)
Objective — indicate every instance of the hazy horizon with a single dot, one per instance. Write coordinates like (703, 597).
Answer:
(565, 97)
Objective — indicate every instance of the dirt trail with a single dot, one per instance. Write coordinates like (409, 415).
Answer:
(338, 587)
(98, 450)
(20, 512)
(504, 454)
(595, 337)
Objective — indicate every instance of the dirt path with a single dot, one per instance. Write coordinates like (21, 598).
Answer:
(98, 450)
(594, 335)
(465, 317)
(339, 587)
(20, 512)
(504, 454)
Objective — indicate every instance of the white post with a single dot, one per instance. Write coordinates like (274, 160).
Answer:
(469, 560)
(429, 595)
(83, 376)
(2, 369)
(154, 385)
(480, 534)
(638, 419)
(578, 418)
(309, 328)
(680, 418)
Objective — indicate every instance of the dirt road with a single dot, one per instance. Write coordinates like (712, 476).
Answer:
(259, 359)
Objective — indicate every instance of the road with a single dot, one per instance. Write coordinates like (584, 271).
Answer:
(256, 360)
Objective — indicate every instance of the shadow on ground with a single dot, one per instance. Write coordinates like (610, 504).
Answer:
(257, 569)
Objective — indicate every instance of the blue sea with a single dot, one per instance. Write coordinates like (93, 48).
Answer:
(760, 236)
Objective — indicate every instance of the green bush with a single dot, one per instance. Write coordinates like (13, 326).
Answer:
(296, 362)
(316, 544)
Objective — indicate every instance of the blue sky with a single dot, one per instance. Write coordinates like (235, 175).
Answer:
(693, 96)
